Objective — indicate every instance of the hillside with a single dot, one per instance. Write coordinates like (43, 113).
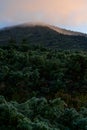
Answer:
(42, 89)
(45, 35)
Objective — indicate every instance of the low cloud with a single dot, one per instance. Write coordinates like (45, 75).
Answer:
(62, 12)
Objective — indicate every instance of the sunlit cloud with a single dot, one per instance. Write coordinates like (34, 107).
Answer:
(59, 12)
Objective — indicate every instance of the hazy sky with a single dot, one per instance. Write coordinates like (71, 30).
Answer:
(70, 14)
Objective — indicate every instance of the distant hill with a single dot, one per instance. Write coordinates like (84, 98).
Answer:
(45, 35)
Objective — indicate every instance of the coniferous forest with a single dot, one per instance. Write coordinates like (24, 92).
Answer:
(42, 88)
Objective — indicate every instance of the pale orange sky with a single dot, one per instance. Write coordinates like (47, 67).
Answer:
(65, 13)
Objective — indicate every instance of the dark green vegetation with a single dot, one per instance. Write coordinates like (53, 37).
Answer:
(43, 35)
(39, 114)
(54, 83)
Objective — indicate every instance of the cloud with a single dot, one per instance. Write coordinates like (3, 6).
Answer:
(62, 12)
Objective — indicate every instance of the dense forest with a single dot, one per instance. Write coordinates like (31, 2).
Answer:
(42, 88)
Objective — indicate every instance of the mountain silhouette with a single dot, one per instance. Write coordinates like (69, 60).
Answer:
(45, 35)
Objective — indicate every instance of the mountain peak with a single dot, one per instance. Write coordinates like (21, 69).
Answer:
(55, 28)
(44, 34)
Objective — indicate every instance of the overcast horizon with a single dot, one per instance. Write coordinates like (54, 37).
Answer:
(68, 14)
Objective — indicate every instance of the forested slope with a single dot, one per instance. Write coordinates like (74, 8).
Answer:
(42, 89)
(39, 114)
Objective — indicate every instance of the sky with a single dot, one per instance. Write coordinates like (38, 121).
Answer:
(69, 14)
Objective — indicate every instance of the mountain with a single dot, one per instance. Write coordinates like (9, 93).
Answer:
(45, 35)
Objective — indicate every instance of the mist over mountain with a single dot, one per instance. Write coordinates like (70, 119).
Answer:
(45, 35)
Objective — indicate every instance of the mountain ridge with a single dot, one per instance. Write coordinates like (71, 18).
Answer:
(55, 28)
(44, 35)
